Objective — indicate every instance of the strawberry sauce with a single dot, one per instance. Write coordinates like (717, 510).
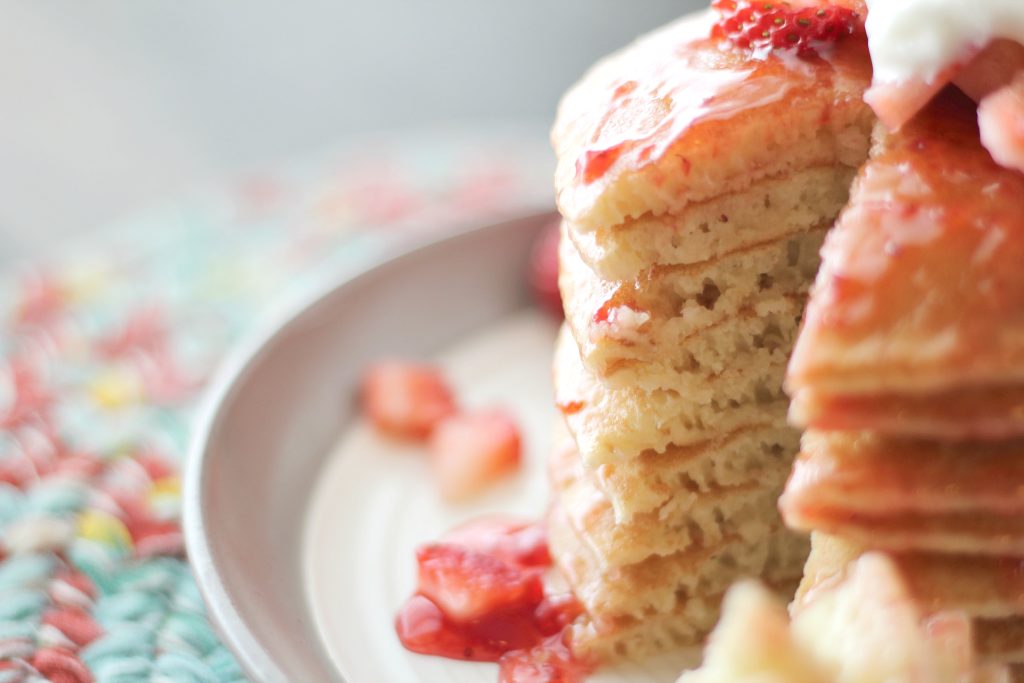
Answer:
(480, 597)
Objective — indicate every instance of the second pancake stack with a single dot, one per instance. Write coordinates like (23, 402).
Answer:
(908, 374)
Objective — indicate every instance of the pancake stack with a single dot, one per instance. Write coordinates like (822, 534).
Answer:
(908, 377)
(696, 184)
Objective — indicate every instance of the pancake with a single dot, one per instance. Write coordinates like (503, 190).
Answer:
(921, 290)
(663, 482)
(744, 511)
(615, 638)
(614, 424)
(954, 532)
(1000, 640)
(983, 587)
(647, 129)
(995, 412)
(660, 584)
(870, 474)
(679, 327)
(769, 210)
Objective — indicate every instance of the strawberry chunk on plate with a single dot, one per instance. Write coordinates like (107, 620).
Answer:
(406, 400)
(550, 662)
(512, 540)
(469, 586)
(470, 451)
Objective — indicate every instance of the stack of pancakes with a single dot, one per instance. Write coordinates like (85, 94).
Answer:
(908, 377)
(696, 185)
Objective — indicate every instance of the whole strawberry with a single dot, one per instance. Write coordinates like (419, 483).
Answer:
(801, 26)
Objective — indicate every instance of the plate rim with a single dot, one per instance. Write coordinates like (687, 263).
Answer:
(232, 369)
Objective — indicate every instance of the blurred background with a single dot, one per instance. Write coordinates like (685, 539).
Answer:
(111, 105)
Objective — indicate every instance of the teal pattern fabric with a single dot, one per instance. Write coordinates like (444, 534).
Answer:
(106, 346)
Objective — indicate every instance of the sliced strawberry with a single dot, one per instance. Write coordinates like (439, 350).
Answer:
(422, 628)
(800, 26)
(405, 399)
(550, 662)
(544, 271)
(469, 586)
(470, 451)
(511, 540)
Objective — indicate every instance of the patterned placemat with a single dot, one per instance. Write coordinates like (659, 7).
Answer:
(105, 347)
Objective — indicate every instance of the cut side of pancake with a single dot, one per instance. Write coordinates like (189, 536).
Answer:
(640, 333)
(754, 341)
(921, 289)
(624, 637)
(675, 119)
(767, 211)
(614, 424)
(662, 483)
(661, 583)
(696, 184)
(705, 519)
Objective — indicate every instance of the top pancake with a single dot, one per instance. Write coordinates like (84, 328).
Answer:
(921, 287)
(678, 118)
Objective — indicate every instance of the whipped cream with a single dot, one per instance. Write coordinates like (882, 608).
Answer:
(916, 39)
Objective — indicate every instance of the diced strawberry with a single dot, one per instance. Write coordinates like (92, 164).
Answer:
(405, 399)
(511, 540)
(422, 627)
(544, 271)
(550, 662)
(771, 24)
(469, 586)
(470, 451)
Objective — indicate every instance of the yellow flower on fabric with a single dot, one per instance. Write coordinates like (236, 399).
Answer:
(116, 389)
(165, 498)
(168, 486)
(85, 281)
(103, 528)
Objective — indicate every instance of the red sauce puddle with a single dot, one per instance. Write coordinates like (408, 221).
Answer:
(480, 598)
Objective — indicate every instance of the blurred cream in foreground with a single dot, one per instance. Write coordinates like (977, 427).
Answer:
(864, 628)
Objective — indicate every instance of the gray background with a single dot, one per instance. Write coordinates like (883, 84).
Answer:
(110, 105)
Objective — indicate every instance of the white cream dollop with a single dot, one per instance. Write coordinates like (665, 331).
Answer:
(916, 39)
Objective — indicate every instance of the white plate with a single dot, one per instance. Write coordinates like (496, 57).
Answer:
(301, 523)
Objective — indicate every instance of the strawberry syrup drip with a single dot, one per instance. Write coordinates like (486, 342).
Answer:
(529, 639)
(604, 313)
(595, 163)
(569, 407)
